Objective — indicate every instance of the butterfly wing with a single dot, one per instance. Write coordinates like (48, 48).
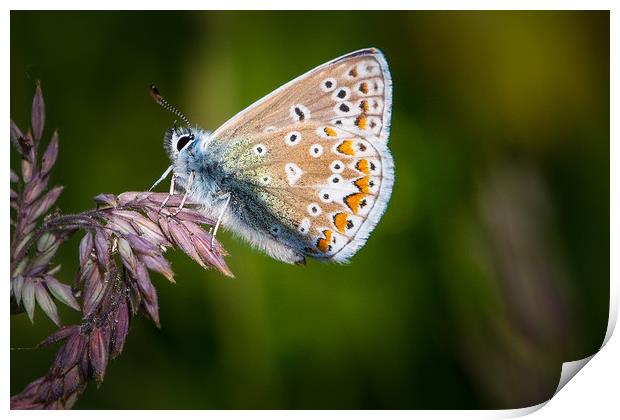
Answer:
(353, 91)
(311, 159)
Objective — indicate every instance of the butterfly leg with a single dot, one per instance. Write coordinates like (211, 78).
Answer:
(219, 218)
(188, 188)
(162, 177)
(170, 194)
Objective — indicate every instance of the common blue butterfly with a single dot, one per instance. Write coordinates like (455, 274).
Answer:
(304, 171)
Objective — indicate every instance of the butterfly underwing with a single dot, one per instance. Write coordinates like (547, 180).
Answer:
(303, 172)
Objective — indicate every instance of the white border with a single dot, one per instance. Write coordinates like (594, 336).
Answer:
(313, 5)
(594, 393)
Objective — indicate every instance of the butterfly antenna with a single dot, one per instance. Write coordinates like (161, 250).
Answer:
(166, 105)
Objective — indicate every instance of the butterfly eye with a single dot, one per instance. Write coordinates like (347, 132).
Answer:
(183, 142)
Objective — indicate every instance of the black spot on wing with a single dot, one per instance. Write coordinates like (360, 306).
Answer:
(299, 113)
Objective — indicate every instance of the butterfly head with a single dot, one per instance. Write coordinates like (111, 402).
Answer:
(178, 140)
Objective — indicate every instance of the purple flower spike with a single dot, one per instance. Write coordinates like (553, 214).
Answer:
(126, 236)
(98, 352)
(102, 248)
(106, 200)
(50, 155)
(38, 113)
(160, 264)
(120, 329)
(59, 335)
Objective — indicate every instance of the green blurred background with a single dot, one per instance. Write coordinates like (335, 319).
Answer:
(489, 269)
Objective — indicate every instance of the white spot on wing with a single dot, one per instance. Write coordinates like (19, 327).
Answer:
(328, 84)
(299, 112)
(369, 68)
(366, 205)
(344, 108)
(375, 86)
(374, 166)
(260, 150)
(337, 166)
(373, 185)
(335, 180)
(351, 73)
(293, 138)
(341, 94)
(326, 196)
(293, 173)
(316, 150)
(375, 105)
(374, 124)
(304, 227)
(344, 122)
(356, 223)
(314, 209)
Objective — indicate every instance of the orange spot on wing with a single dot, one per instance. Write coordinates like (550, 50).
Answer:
(323, 243)
(364, 87)
(354, 201)
(362, 184)
(330, 131)
(340, 221)
(353, 72)
(361, 122)
(364, 105)
(346, 147)
(362, 166)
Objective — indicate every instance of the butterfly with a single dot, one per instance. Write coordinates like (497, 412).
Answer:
(303, 172)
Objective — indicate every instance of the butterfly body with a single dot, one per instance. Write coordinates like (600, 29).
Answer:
(304, 172)
(216, 177)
